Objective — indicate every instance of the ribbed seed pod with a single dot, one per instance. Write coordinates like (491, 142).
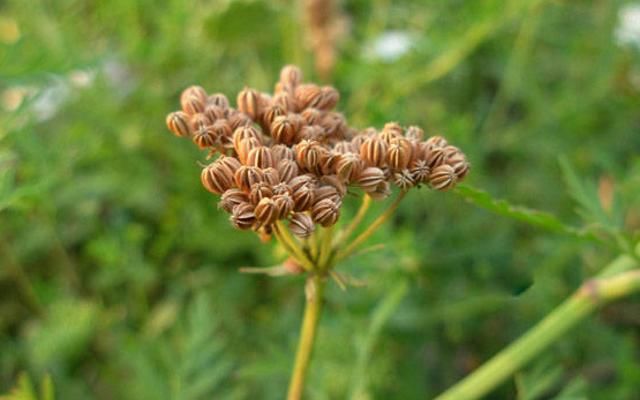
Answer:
(291, 75)
(301, 225)
(243, 216)
(312, 116)
(214, 112)
(307, 94)
(326, 192)
(231, 198)
(271, 176)
(400, 153)
(303, 197)
(380, 192)
(284, 204)
(238, 119)
(195, 91)
(286, 101)
(414, 133)
(329, 162)
(313, 132)
(266, 213)
(284, 129)
(260, 191)
(434, 157)
(178, 124)
(443, 177)
(301, 180)
(420, 171)
(436, 141)
(288, 169)
(192, 104)
(349, 167)
(245, 132)
(244, 148)
(230, 163)
(260, 156)
(344, 147)
(246, 177)
(374, 151)
(198, 121)
(390, 131)
(459, 163)
(403, 179)
(281, 188)
(217, 178)
(282, 152)
(271, 113)
(326, 100)
(308, 154)
(222, 129)
(218, 99)
(336, 182)
(325, 212)
(358, 140)
(370, 178)
(249, 102)
(205, 137)
(334, 124)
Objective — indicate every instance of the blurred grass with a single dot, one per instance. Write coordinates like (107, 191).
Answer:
(118, 277)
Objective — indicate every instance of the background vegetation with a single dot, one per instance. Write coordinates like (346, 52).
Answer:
(118, 277)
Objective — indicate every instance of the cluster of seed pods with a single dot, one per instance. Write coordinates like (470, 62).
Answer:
(290, 156)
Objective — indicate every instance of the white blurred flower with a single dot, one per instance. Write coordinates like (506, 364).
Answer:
(390, 45)
(628, 29)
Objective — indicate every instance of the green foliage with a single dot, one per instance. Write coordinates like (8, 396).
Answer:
(118, 276)
(25, 390)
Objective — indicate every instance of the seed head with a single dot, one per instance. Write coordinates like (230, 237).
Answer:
(374, 151)
(260, 156)
(370, 178)
(307, 94)
(260, 191)
(301, 225)
(284, 130)
(246, 177)
(325, 212)
(290, 75)
(288, 169)
(218, 99)
(443, 177)
(243, 216)
(266, 212)
(205, 137)
(249, 102)
(231, 198)
(178, 124)
(400, 153)
(284, 204)
(214, 112)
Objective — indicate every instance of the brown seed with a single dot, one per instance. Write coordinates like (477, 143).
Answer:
(312, 116)
(390, 131)
(358, 140)
(195, 91)
(284, 204)
(308, 154)
(313, 132)
(284, 129)
(271, 176)
(249, 102)
(222, 129)
(443, 177)
(370, 178)
(245, 132)
(307, 94)
(259, 191)
(217, 177)
(282, 152)
(232, 197)
(326, 192)
(420, 171)
(214, 112)
(303, 197)
(414, 133)
(400, 153)
(344, 147)
(459, 163)
(271, 113)
(301, 225)
(244, 148)
(238, 119)
(281, 188)
(198, 121)
(329, 98)
(349, 167)
(334, 124)
(336, 182)
(374, 151)
(230, 163)
(266, 212)
(260, 156)
(243, 216)
(403, 179)
(436, 141)
(290, 75)
(286, 101)
(246, 177)
(325, 212)
(192, 104)
(205, 137)
(302, 180)
(178, 124)
(329, 162)
(288, 169)
(218, 99)
(434, 157)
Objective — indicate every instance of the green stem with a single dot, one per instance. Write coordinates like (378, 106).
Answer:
(292, 247)
(362, 211)
(614, 282)
(314, 291)
(371, 229)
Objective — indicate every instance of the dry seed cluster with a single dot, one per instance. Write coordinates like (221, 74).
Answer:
(289, 156)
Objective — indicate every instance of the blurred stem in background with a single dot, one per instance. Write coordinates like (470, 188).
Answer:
(618, 279)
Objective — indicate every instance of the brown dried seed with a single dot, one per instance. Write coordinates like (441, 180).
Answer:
(434, 157)
(230, 163)
(266, 213)
(301, 225)
(198, 121)
(246, 177)
(249, 101)
(217, 177)
(245, 132)
(334, 124)
(243, 216)
(284, 204)
(414, 133)
(271, 176)
(459, 163)
(232, 197)
(374, 151)
(308, 154)
(194, 91)
(326, 192)
(313, 132)
(192, 104)
(282, 152)
(400, 153)
(271, 113)
(443, 177)
(420, 171)
(307, 94)
(370, 178)
(286, 101)
(259, 191)
(436, 141)
(325, 212)
(326, 100)
(222, 129)
(349, 167)
(218, 99)
(344, 147)
(390, 131)
(178, 124)
(303, 197)
(288, 169)
(329, 162)
(260, 156)
(403, 179)
(205, 137)
(238, 119)
(312, 116)
(291, 75)
(301, 180)
(284, 129)
(214, 112)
